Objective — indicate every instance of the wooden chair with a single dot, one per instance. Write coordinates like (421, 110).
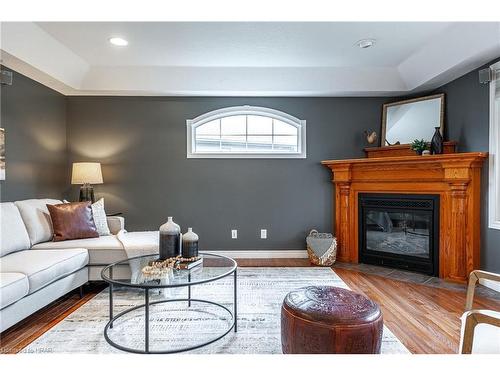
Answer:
(480, 331)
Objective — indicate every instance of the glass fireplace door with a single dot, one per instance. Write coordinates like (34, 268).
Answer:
(399, 231)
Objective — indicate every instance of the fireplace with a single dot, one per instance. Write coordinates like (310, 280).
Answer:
(455, 178)
(400, 231)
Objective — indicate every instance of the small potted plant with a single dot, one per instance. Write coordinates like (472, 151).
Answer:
(419, 146)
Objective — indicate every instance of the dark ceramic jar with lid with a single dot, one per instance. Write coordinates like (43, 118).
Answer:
(170, 239)
(189, 244)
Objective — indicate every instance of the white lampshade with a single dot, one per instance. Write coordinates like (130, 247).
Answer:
(86, 173)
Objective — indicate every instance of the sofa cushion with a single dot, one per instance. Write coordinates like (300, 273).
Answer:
(102, 250)
(13, 287)
(43, 267)
(99, 243)
(13, 234)
(71, 221)
(36, 218)
(99, 257)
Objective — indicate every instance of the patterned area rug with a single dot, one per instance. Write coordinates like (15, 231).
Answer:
(173, 325)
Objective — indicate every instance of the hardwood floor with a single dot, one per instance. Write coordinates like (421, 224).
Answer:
(424, 318)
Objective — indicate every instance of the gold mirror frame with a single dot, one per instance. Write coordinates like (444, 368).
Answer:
(414, 100)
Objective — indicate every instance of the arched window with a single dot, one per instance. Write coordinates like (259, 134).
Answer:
(246, 132)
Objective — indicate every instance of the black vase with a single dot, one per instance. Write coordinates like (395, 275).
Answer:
(437, 142)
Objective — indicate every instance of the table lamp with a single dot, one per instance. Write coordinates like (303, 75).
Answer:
(85, 174)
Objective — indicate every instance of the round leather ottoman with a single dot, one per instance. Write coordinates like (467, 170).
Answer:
(326, 319)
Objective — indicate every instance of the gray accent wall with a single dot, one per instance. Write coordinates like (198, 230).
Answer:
(467, 121)
(141, 142)
(34, 118)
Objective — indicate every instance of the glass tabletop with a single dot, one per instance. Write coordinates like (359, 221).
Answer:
(132, 272)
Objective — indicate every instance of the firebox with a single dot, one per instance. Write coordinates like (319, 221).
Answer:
(400, 231)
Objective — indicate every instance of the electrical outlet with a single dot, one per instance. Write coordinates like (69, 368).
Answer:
(234, 234)
(263, 234)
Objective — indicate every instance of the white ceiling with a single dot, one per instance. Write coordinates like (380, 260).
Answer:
(246, 58)
(243, 44)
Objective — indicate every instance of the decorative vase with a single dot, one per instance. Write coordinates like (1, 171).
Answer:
(437, 142)
(170, 240)
(189, 244)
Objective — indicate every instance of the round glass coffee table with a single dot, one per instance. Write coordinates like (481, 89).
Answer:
(214, 267)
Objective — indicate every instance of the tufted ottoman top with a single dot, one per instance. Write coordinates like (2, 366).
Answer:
(331, 305)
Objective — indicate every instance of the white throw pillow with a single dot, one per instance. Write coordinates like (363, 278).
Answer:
(100, 220)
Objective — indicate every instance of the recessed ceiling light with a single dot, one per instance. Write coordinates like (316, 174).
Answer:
(365, 43)
(118, 41)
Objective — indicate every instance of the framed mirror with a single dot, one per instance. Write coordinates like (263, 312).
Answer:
(412, 119)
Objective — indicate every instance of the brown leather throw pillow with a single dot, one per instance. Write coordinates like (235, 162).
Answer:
(72, 221)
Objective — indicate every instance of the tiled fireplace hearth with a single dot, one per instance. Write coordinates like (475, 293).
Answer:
(450, 181)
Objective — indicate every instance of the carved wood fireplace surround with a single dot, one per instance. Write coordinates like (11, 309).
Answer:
(454, 177)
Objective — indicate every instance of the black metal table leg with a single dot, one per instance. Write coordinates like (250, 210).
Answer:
(189, 290)
(111, 298)
(111, 304)
(146, 323)
(235, 301)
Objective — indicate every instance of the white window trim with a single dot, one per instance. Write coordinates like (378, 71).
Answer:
(191, 125)
(494, 155)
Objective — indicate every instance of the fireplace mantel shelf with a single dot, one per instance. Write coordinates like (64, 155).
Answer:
(412, 159)
(454, 177)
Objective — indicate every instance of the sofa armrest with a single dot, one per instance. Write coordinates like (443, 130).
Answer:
(115, 224)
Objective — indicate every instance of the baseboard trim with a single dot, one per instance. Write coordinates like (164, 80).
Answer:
(261, 254)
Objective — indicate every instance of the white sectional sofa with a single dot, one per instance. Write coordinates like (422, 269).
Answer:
(35, 271)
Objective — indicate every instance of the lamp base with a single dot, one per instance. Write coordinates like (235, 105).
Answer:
(87, 193)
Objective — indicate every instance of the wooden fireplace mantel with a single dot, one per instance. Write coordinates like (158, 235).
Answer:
(454, 177)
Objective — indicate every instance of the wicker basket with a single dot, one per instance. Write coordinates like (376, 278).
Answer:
(321, 248)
